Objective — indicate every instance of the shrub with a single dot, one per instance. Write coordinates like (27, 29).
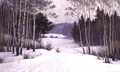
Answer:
(40, 46)
(52, 37)
(100, 54)
(56, 36)
(2, 49)
(94, 53)
(26, 56)
(57, 50)
(48, 46)
(115, 51)
(1, 59)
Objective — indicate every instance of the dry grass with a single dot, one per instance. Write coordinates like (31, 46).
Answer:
(26, 56)
(115, 54)
(2, 59)
(57, 50)
(48, 46)
(2, 49)
(100, 54)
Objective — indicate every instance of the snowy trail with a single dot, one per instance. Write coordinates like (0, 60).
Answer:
(61, 63)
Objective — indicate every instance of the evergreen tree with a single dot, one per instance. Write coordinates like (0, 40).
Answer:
(43, 25)
(75, 32)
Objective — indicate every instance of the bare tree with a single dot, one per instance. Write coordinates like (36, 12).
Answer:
(76, 12)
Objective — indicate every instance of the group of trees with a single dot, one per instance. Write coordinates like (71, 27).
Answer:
(21, 20)
(97, 23)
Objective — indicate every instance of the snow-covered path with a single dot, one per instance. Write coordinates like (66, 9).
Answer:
(50, 61)
(60, 62)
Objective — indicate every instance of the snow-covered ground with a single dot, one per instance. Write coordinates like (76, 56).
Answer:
(68, 45)
(69, 59)
(53, 35)
(60, 62)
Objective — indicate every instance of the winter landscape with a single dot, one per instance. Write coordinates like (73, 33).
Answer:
(59, 35)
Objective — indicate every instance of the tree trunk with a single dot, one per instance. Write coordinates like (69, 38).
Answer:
(34, 29)
(81, 41)
(86, 38)
(23, 31)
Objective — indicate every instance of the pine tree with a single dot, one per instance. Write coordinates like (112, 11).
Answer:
(75, 32)
(43, 23)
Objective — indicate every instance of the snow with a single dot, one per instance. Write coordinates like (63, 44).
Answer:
(58, 42)
(60, 62)
(69, 46)
(52, 35)
(69, 59)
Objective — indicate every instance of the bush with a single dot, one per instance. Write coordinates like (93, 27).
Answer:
(48, 46)
(2, 49)
(94, 53)
(26, 56)
(1, 59)
(115, 52)
(40, 46)
(57, 50)
(56, 36)
(52, 37)
(100, 53)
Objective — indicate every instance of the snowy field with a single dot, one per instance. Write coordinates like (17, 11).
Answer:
(69, 59)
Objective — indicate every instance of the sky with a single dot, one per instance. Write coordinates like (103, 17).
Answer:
(60, 11)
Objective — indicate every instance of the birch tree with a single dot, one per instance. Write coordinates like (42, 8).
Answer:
(75, 12)
(84, 8)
